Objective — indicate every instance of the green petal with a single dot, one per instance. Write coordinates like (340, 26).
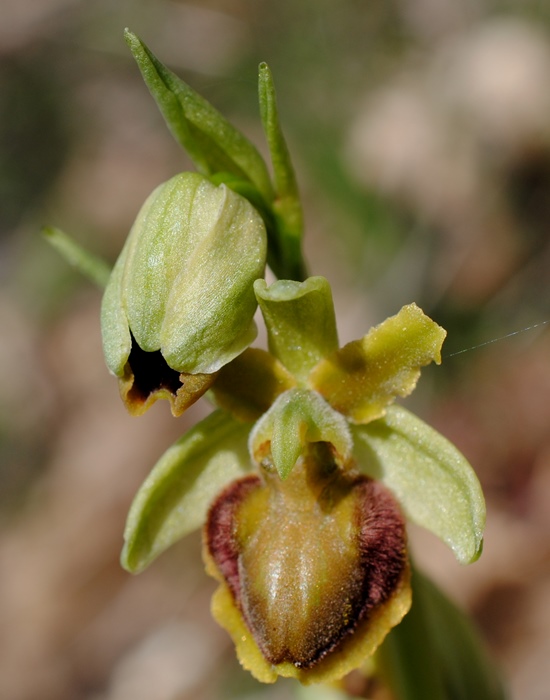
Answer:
(433, 481)
(366, 375)
(300, 321)
(211, 141)
(436, 653)
(297, 417)
(174, 499)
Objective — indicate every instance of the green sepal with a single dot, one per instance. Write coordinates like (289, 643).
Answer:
(300, 320)
(213, 144)
(286, 207)
(436, 652)
(297, 417)
(432, 480)
(247, 190)
(174, 499)
(117, 339)
(88, 264)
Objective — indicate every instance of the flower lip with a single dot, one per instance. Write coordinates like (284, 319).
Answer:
(307, 573)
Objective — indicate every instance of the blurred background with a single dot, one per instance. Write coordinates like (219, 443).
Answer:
(420, 130)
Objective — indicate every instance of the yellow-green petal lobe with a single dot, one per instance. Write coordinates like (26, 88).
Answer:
(361, 379)
(174, 499)
(433, 481)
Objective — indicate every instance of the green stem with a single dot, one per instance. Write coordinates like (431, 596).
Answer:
(88, 264)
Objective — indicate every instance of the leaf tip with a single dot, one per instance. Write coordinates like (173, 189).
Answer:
(133, 41)
(127, 561)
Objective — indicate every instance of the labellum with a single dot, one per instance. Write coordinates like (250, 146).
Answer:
(309, 562)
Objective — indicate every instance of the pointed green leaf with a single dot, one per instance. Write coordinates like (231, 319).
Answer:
(366, 375)
(432, 480)
(297, 417)
(88, 264)
(436, 653)
(301, 326)
(468, 670)
(174, 499)
(211, 141)
(287, 206)
(407, 659)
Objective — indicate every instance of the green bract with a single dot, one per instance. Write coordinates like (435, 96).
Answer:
(224, 154)
(436, 652)
(180, 299)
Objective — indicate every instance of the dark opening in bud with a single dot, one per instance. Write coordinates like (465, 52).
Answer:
(151, 373)
(147, 377)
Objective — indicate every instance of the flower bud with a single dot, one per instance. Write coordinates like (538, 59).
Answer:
(180, 303)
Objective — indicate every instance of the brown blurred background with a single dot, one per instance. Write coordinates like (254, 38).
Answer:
(421, 134)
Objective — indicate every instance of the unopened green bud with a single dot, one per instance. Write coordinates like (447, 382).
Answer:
(180, 302)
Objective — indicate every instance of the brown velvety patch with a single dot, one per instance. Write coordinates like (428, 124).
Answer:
(220, 530)
(382, 541)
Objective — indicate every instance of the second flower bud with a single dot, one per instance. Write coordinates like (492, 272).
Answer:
(180, 303)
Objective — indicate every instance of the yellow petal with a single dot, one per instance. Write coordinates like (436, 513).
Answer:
(366, 375)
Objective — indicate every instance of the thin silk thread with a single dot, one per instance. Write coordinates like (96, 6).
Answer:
(496, 340)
